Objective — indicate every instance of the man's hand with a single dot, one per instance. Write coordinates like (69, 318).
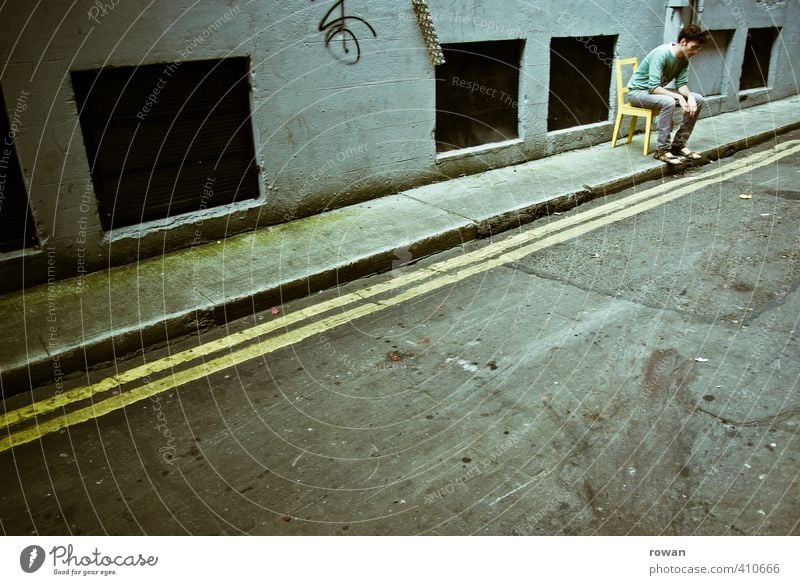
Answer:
(683, 96)
(691, 105)
(687, 101)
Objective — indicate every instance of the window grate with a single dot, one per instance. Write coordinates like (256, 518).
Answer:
(158, 135)
(580, 80)
(17, 230)
(757, 56)
(477, 90)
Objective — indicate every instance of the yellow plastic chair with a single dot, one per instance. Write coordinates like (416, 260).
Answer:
(625, 109)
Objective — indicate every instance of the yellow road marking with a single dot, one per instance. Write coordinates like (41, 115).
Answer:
(79, 394)
(624, 209)
(235, 339)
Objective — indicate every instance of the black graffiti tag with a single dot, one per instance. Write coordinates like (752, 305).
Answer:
(337, 29)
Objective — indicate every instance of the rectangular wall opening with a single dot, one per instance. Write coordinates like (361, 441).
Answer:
(709, 72)
(580, 80)
(477, 94)
(757, 56)
(17, 230)
(167, 139)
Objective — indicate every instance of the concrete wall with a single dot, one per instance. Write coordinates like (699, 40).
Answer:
(327, 133)
(738, 16)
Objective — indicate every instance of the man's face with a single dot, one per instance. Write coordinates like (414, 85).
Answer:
(690, 48)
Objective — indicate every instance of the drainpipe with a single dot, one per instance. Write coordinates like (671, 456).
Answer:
(697, 11)
(679, 12)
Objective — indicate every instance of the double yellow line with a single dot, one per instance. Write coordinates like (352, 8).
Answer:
(424, 280)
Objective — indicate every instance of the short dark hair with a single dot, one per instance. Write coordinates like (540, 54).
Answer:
(692, 32)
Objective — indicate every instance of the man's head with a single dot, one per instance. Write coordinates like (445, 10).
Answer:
(691, 39)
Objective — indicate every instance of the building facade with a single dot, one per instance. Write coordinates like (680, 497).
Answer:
(133, 128)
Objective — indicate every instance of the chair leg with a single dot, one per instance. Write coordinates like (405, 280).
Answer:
(616, 131)
(632, 128)
(649, 122)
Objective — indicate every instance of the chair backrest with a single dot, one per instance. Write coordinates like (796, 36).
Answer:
(622, 87)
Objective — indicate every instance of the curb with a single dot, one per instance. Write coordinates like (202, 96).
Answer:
(97, 353)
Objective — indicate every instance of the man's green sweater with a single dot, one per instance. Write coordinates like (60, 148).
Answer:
(659, 68)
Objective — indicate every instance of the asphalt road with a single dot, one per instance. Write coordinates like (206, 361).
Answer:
(636, 375)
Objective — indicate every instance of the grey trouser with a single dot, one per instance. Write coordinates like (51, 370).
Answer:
(644, 99)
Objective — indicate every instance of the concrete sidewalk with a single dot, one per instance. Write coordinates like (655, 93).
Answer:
(66, 326)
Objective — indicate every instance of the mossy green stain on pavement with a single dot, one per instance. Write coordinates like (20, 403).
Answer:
(434, 277)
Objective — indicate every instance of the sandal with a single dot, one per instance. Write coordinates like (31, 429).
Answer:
(668, 158)
(689, 154)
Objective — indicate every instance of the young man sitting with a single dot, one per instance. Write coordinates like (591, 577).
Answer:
(648, 90)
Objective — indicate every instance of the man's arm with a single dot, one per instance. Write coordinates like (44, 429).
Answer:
(681, 82)
(683, 95)
(690, 105)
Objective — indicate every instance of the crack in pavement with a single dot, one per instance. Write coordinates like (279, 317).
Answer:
(767, 420)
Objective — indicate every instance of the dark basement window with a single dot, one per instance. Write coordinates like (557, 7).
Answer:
(757, 54)
(477, 94)
(167, 139)
(580, 80)
(17, 230)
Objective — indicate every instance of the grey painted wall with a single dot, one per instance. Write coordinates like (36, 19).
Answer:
(327, 134)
